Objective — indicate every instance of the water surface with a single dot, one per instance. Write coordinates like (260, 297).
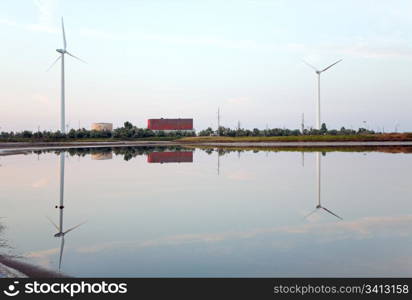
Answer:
(170, 212)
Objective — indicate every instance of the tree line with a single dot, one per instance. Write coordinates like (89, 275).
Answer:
(127, 132)
(226, 131)
(130, 132)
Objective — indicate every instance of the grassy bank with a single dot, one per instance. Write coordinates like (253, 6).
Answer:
(300, 138)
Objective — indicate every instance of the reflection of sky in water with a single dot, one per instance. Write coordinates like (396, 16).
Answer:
(183, 220)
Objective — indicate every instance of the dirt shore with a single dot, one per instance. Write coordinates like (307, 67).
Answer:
(12, 268)
(8, 147)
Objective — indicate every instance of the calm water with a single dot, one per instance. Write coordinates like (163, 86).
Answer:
(233, 214)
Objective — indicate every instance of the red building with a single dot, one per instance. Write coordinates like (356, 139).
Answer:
(170, 157)
(170, 124)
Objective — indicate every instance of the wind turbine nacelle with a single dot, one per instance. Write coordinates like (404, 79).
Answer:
(59, 234)
(62, 51)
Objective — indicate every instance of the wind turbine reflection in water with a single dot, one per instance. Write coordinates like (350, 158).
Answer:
(60, 229)
(319, 205)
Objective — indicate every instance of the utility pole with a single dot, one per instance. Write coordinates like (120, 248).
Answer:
(218, 121)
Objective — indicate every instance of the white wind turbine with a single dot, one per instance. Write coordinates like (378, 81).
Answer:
(318, 72)
(62, 53)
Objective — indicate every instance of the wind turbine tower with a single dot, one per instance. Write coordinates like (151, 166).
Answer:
(318, 72)
(303, 123)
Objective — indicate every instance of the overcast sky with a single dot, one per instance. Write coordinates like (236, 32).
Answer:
(148, 59)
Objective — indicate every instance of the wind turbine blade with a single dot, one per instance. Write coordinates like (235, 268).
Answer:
(332, 213)
(331, 65)
(76, 57)
(54, 224)
(61, 252)
(56, 60)
(64, 36)
(70, 229)
(309, 65)
(312, 212)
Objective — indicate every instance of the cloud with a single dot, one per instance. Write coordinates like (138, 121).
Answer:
(46, 18)
(42, 28)
(238, 100)
(214, 41)
(241, 176)
(99, 34)
(367, 51)
(370, 48)
(43, 99)
(165, 241)
(46, 12)
(29, 27)
(8, 22)
(205, 41)
(363, 47)
(358, 229)
(43, 257)
(40, 183)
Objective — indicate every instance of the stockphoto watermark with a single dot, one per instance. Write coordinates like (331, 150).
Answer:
(63, 288)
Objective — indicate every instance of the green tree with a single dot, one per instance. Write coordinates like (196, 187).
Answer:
(323, 129)
(128, 125)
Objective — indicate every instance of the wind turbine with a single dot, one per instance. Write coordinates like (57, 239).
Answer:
(60, 231)
(318, 72)
(61, 56)
(319, 205)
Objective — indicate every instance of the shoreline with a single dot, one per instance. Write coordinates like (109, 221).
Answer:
(17, 147)
(13, 268)
(22, 146)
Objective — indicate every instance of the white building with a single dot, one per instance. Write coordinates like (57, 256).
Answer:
(102, 126)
